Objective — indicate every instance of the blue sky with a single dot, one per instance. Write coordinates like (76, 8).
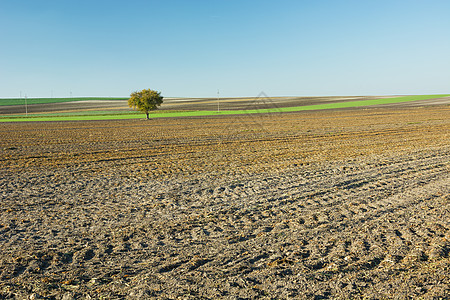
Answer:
(192, 48)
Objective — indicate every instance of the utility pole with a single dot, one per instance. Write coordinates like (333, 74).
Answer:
(218, 101)
(26, 106)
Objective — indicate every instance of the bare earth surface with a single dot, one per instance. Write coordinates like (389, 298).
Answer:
(317, 205)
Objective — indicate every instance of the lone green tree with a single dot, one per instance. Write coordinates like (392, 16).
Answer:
(145, 100)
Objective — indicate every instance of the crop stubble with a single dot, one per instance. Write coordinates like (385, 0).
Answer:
(332, 204)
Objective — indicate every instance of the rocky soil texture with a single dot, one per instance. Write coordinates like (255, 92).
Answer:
(317, 205)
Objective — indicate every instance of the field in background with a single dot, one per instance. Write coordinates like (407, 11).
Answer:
(31, 101)
(72, 109)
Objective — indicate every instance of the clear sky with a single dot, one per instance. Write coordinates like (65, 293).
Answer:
(192, 48)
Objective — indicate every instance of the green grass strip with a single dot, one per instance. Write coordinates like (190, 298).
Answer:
(76, 113)
(21, 101)
(156, 114)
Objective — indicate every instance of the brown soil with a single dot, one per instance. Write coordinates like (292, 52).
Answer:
(316, 205)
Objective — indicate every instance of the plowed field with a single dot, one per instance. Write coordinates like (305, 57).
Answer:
(316, 205)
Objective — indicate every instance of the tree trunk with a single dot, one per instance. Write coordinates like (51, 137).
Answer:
(147, 115)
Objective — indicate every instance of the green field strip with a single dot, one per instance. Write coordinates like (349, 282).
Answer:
(168, 114)
(78, 113)
(30, 101)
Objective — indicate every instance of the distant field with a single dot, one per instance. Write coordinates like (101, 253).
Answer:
(78, 114)
(21, 101)
(87, 115)
(96, 115)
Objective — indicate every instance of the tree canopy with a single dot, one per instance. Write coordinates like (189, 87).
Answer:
(145, 100)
